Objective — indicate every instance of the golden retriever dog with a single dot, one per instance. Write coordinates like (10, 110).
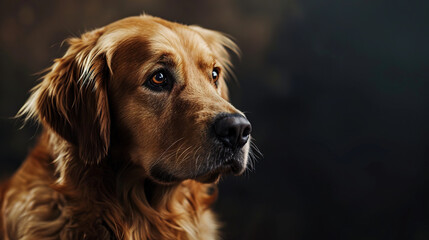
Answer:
(137, 130)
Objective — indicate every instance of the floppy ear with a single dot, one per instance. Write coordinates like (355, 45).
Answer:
(72, 98)
(219, 43)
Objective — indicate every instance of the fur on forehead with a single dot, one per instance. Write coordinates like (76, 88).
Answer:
(165, 36)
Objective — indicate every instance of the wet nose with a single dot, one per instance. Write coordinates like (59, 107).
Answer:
(233, 130)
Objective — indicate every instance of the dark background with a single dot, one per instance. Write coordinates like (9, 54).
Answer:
(336, 91)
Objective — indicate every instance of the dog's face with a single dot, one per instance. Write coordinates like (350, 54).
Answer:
(160, 86)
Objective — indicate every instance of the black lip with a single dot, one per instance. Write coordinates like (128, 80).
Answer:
(233, 166)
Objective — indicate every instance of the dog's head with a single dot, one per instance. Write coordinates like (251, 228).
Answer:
(160, 87)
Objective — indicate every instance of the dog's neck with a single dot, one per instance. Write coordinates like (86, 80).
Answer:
(128, 202)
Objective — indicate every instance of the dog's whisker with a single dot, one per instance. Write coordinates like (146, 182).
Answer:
(184, 153)
(178, 150)
(171, 145)
(207, 162)
(196, 151)
(195, 157)
(253, 146)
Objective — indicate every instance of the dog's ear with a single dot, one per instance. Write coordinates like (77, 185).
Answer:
(72, 98)
(220, 44)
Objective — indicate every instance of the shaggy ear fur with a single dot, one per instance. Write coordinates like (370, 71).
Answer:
(72, 98)
(220, 44)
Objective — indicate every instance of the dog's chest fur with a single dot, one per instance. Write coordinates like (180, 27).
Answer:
(34, 208)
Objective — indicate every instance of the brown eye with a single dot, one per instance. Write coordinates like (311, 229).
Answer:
(159, 78)
(160, 81)
(215, 76)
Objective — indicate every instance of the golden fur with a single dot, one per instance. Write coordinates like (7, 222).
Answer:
(93, 172)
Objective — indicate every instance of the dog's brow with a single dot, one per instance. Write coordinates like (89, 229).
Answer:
(167, 60)
(204, 64)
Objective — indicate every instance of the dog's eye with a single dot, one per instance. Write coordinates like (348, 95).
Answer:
(215, 76)
(159, 78)
(159, 81)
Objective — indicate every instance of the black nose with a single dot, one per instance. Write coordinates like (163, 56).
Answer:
(233, 130)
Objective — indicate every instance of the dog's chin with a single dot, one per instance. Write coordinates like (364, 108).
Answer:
(234, 166)
(213, 175)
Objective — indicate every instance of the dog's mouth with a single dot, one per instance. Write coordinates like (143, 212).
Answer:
(214, 175)
(234, 164)
(216, 164)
